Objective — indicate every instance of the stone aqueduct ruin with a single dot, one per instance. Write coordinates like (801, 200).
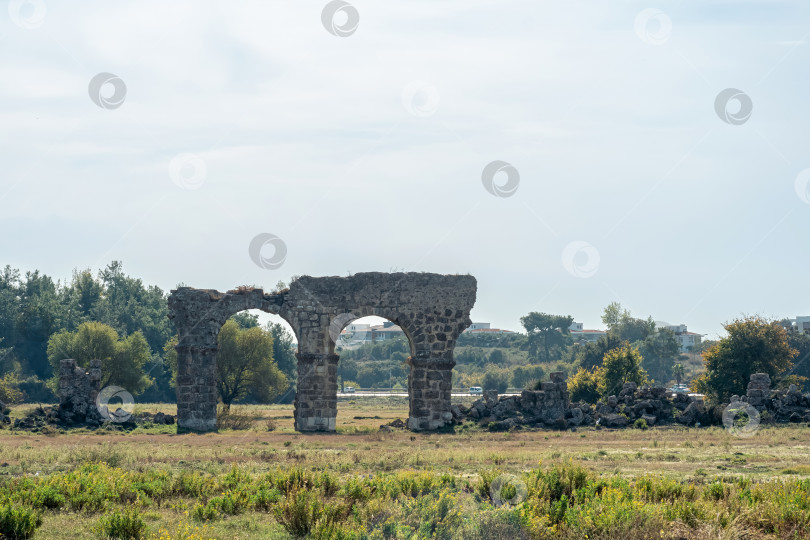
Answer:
(431, 309)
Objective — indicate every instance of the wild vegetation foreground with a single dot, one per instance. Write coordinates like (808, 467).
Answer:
(365, 483)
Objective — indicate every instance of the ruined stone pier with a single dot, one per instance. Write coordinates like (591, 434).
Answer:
(431, 309)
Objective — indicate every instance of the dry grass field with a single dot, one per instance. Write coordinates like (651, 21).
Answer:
(693, 457)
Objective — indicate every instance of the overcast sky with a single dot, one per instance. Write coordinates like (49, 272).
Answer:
(363, 148)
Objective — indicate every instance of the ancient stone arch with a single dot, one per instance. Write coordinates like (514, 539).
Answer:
(431, 309)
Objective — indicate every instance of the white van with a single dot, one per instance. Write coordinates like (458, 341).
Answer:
(476, 391)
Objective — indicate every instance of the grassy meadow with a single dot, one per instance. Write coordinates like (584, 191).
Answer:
(264, 480)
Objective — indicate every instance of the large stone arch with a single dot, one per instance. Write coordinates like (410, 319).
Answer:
(431, 309)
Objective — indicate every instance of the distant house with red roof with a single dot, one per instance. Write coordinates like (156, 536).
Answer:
(478, 328)
(685, 338)
(584, 334)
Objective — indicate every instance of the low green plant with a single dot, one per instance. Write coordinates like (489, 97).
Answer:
(125, 525)
(18, 522)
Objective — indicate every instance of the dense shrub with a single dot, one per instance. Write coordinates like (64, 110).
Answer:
(561, 502)
(124, 525)
(583, 386)
(301, 511)
(496, 379)
(18, 522)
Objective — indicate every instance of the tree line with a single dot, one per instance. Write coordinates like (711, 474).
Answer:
(118, 319)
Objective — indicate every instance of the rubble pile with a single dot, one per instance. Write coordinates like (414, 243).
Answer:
(549, 407)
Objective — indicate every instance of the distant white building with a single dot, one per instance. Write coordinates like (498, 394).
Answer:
(355, 335)
(684, 337)
(585, 334)
(478, 328)
(801, 324)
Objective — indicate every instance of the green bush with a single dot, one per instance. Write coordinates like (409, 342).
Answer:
(124, 525)
(497, 380)
(18, 522)
(204, 512)
(640, 424)
(583, 386)
(299, 512)
(483, 488)
(9, 389)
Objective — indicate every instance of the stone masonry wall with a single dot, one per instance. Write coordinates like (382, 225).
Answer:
(431, 309)
(78, 390)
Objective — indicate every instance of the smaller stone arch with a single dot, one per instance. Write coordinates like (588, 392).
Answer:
(198, 316)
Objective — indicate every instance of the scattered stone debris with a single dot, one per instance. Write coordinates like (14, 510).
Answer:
(394, 424)
(781, 405)
(549, 407)
(78, 390)
(48, 419)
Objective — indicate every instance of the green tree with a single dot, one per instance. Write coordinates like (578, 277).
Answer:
(546, 333)
(9, 390)
(495, 380)
(584, 386)
(624, 326)
(497, 357)
(246, 320)
(122, 360)
(702, 347)
(801, 363)
(245, 364)
(613, 314)
(284, 350)
(618, 367)
(39, 315)
(660, 350)
(753, 345)
(523, 376)
(590, 355)
(678, 371)
(128, 306)
(8, 360)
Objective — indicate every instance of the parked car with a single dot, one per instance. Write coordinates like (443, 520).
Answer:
(476, 390)
(349, 390)
(680, 389)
